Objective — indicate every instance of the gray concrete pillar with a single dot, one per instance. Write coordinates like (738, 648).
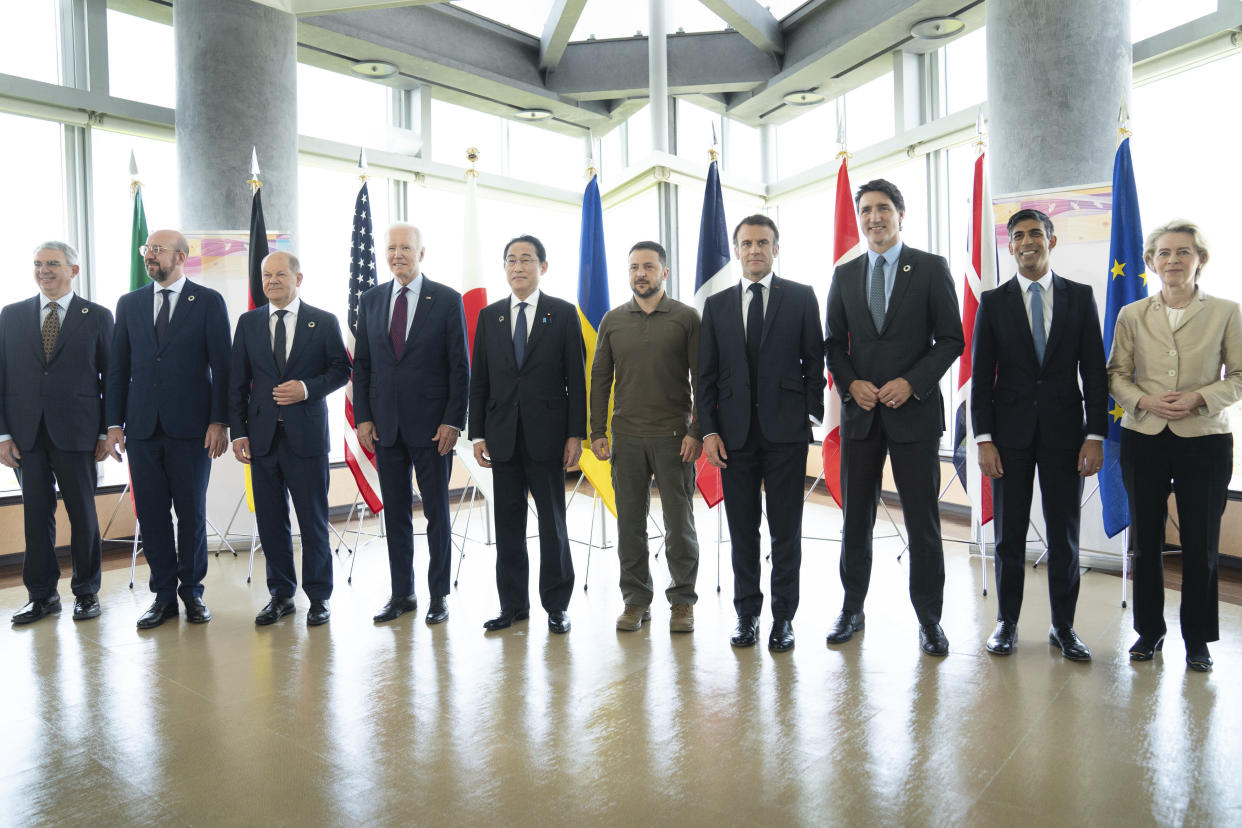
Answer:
(236, 88)
(657, 73)
(1057, 70)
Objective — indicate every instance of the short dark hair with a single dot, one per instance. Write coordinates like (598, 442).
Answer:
(880, 185)
(654, 247)
(758, 220)
(532, 241)
(1029, 214)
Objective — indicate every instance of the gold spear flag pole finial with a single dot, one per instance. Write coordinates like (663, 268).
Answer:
(844, 153)
(362, 165)
(980, 140)
(253, 180)
(1123, 120)
(472, 155)
(135, 183)
(713, 154)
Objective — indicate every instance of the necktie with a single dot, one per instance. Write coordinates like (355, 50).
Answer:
(51, 329)
(161, 319)
(1037, 320)
(875, 299)
(396, 330)
(279, 343)
(519, 335)
(754, 335)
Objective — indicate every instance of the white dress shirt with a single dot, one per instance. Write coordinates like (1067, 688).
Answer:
(532, 302)
(173, 298)
(747, 296)
(415, 288)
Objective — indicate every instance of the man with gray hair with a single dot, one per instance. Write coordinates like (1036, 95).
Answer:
(53, 363)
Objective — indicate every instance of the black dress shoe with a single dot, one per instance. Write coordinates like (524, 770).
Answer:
(846, 625)
(276, 609)
(932, 640)
(1198, 658)
(1003, 638)
(506, 619)
(781, 637)
(396, 607)
(157, 614)
(437, 613)
(196, 611)
(558, 622)
(38, 609)
(86, 606)
(1145, 648)
(746, 633)
(319, 613)
(1069, 642)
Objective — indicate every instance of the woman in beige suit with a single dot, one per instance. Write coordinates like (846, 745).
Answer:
(1165, 371)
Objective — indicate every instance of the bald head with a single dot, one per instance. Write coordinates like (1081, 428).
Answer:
(166, 254)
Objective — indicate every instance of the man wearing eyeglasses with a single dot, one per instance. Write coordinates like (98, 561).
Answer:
(53, 359)
(411, 378)
(167, 406)
(528, 420)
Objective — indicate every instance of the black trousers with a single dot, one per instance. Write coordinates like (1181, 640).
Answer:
(1197, 471)
(780, 468)
(395, 464)
(1061, 492)
(916, 471)
(42, 468)
(512, 481)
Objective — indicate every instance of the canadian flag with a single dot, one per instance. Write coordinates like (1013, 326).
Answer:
(846, 246)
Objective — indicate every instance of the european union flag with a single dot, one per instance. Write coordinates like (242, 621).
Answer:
(1127, 282)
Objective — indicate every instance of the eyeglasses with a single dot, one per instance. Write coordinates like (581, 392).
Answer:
(152, 249)
(49, 263)
(524, 261)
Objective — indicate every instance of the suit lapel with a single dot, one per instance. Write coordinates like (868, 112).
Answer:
(302, 336)
(499, 319)
(901, 284)
(1060, 313)
(1192, 310)
(260, 323)
(419, 310)
(733, 313)
(182, 311)
(33, 333)
(855, 288)
(74, 319)
(1015, 315)
(543, 319)
(774, 304)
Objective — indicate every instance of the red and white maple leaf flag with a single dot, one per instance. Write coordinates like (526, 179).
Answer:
(846, 246)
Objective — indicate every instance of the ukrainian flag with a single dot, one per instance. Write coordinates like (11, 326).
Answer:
(1127, 282)
(592, 305)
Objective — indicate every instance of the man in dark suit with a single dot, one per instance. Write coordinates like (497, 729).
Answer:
(1037, 334)
(53, 360)
(761, 386)
(287, 358)
(411, 381)
(893, 331)
(528, 418)
(167, 406)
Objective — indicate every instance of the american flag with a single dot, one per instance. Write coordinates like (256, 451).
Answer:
(361, 278)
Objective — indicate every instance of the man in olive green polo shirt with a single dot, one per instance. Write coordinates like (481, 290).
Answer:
(646, 356)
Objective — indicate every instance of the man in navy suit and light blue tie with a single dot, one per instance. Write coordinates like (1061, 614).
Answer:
(167, 405)
(287, 358)
(53, 359)
(411, 383)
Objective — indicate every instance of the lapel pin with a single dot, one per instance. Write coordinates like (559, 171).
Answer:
(86, 310)
(190, 297)
(906, 269)
(502, 319)
(310, 324)
(546, 320)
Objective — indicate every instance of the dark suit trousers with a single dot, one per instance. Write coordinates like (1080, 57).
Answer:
(395, 464)
(74, 473)
(277, 476)
(170, 473)
(1197, 470)
(781, 469)
(916, 471)
(1061, 491)
(513, 480)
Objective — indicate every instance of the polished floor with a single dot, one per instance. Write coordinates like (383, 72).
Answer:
(404, 724)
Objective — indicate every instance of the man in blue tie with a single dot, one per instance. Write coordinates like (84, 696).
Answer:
(1038, 334)
(411, 381)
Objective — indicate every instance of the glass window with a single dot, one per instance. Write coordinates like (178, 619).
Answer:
(741, 151)
(39, 214)
(455, 129)
(611, 20)
(548, 157)
(690, 215)
(524, 15)
(806, 224)
(638, 132)
(695, 129)
(1151, 17)
(30, 40)
(612, 161)
(632, 220)
(114, 207)
(809, 139)
(340, 108)
(966, 71)
(869, 113)
(136, 48)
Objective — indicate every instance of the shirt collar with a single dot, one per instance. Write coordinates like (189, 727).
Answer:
(1045, 282)
(63, 301)
(890, 256)
(664, 305)
(176, 287)
(415, 287)
(292, 308)
(766, 281)
(531, 301)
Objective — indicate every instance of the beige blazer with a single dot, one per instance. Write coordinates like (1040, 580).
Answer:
(1150, 357)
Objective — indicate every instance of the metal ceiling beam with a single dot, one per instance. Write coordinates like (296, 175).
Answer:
(561, 22)
(752, 21)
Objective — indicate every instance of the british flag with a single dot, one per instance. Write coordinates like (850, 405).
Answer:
(362, 277)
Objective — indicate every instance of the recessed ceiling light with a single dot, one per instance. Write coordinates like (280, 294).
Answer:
(532, 114)
(807, 97)
(937, 28)
(375, 68)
